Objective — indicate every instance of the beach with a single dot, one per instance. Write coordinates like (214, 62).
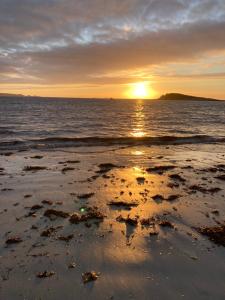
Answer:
(112, 150)
(126, 223)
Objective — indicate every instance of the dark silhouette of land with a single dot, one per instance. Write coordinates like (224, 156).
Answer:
(177, 96)
(11, 95)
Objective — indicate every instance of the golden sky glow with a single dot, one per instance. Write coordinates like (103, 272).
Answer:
(112, 49)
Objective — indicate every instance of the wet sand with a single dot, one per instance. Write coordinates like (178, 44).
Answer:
(135, 223)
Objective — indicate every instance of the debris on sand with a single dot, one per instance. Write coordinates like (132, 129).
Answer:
(214, 190)
(172, 198)
(216, 168)
(37, 157)
(69, 162)
(215, 234)
(45, 274)
(85, 196)
(153, 233)
(34, 168)
(147, 222)
(75, 218)
(158, 198)
(104, 168)
(13, 240)
(221, 177)
(27, 196)
(72, 265)
(48, 202)
(49, 231)
(128, 220)
(36, 207)
(160, 169)
(66, 238)
(90, 276)
(72, 161)
(166, 223)
(203, 190)
(123, 204)
(177, 177)
(92, 213)
(31, 214)
(173, 185)
(52, 214)
(66, 169)
(198, 188)
(140, 180)
(6, 153)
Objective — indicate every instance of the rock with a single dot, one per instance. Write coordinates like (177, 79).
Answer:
(49, 202)
(66, 238)
(37, 157)
(215, 234)
(27, 196)
(104, 168)
(147, 222)
(160, 169)
(36, 207)
(204, 190)
(85, 196)
(166, 223)
(92, 213)
(14, 240)
(72, 265)
(128, 220)
(221, 177)
(72, 161)
(45, 274)
(172, 198)
(158, 198)
(123, 204)
(140, 180)
(90, 276)
(52, 213)
(153, 233)
(177, 177)
(66, 169)
(34, 168)
(49, 231)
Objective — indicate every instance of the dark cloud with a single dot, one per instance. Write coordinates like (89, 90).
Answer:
(52, 41)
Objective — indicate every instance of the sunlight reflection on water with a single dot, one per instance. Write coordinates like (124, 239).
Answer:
(138, 124)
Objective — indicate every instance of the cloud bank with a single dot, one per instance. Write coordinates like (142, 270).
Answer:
(83, 41)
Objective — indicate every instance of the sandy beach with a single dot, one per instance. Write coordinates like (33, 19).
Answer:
(112, 150)
(133, 223)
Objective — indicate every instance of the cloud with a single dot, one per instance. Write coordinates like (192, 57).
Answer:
(52, 41)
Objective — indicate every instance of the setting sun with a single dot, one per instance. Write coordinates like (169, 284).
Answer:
(140, 90)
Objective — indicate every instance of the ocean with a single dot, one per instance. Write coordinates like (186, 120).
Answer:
(51, 123)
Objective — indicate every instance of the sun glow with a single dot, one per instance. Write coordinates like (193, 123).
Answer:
(140, 90)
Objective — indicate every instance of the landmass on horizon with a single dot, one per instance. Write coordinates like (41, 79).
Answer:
(167, 96)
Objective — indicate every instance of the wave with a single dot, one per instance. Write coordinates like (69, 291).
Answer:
(6, 131)
(62, 142)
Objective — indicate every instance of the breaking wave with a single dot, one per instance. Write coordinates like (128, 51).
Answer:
(63, 142)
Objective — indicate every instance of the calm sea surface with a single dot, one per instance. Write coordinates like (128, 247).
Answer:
(56, 123)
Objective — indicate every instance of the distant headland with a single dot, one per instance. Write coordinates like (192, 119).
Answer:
(180, 97)
(11, 95)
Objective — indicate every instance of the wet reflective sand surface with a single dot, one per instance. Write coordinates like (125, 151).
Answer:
(133, 216)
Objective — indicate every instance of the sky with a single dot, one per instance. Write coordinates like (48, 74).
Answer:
(112, 48)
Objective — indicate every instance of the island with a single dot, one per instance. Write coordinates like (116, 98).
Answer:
(177, 96)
